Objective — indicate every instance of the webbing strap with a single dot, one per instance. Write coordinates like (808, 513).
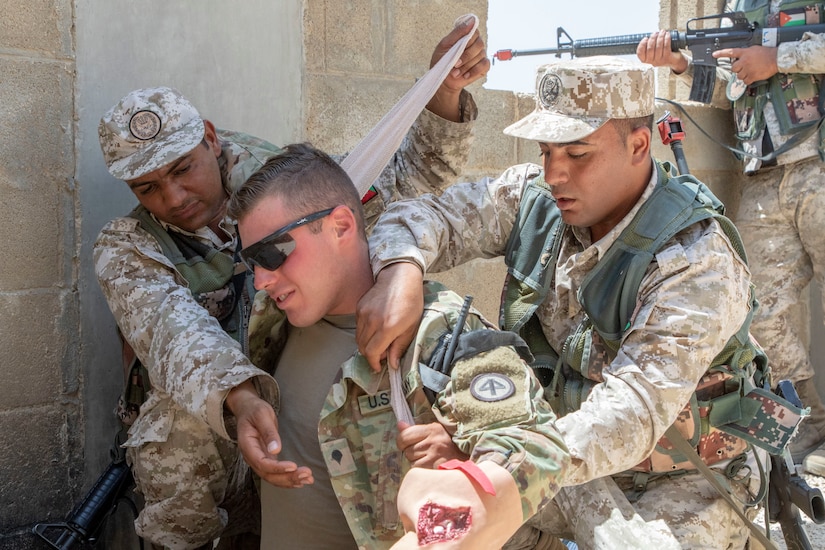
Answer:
(397, 401)
(681, 444)
(367, 159)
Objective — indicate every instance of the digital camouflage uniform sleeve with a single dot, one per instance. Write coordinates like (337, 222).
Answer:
(191, 361)
(468, 221)
(494, 407)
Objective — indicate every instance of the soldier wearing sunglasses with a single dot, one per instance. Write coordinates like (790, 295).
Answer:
(172, 278)
(337, 422)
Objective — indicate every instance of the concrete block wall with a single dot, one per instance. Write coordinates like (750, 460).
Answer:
(41, 430)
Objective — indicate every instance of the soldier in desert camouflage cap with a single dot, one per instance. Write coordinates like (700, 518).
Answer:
(147, 129)
(177, 292)
(624, 313)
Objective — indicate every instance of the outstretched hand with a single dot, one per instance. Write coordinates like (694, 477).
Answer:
(259, 441)
(472, 66)
(427, 445)
(388, 315)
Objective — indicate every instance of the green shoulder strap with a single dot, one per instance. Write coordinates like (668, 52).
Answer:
(204, 268)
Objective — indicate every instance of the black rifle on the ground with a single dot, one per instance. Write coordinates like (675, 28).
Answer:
(701, 42)
(789, 492)
(85, 523)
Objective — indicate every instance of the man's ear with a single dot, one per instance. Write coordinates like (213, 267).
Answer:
(210, 135)
(639, 144)
(343, 222)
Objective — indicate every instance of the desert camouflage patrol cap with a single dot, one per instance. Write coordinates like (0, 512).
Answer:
(147, 129)
(574, 98)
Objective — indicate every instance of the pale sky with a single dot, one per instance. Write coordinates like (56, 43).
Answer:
(531, 25)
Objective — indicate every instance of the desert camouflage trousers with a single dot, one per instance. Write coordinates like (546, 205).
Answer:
(671, 515)
(781, 217)
(195, 487)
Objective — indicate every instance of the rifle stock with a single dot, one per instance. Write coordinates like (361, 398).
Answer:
(702, 43)
(85, 523)
(789, 492)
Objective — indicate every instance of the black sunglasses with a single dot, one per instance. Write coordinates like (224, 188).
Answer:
(271, 251)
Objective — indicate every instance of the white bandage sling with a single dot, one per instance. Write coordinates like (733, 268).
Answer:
(366, 161)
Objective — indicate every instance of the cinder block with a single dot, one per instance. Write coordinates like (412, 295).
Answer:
(353, 36)
(36, 167)
(38, 481)
(527, 151)
(43, 26)
(35, 340)
(482, 279)
(35, 228)
(35, 123)
(491, 149)
(709, 161)
(315, 29)
(365, 100)
(414, 27)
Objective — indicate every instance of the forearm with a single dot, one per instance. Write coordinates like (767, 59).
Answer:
(532, 452)
(469, 220)
(433, 154)
(513, 428)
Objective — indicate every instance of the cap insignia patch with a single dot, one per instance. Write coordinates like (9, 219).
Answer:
(144, 125)
(549, 89)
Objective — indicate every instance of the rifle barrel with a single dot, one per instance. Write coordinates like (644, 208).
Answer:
(624, 44)
(610, 45)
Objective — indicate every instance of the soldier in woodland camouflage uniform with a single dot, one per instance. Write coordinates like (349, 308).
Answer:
(170, 275)
(562, 227)
(782, 208)
(338, 418)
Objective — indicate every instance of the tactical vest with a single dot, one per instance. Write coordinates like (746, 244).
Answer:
(796, 97)
(733, 405)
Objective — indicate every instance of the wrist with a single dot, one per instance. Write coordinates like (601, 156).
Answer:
(472, 471)
(401, 269)
(446, 103)
(680, 66)
(239, 395)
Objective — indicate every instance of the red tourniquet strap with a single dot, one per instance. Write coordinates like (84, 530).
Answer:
(471, 470)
